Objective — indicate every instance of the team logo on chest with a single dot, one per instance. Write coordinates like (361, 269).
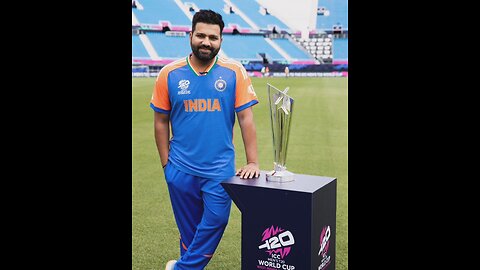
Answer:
(183, 85)
(220, 84)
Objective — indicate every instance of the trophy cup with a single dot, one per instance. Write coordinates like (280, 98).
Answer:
(281, 108)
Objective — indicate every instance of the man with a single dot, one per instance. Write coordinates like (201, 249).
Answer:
(199, 96)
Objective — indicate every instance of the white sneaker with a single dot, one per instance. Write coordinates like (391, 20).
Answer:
(170, 265)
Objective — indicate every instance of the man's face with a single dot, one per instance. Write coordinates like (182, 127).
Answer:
(205, 41)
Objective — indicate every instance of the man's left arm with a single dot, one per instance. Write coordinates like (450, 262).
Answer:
(249, 135)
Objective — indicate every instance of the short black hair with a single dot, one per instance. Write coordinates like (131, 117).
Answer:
(207, 16)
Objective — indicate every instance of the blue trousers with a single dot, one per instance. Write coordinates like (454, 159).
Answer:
(201, 208)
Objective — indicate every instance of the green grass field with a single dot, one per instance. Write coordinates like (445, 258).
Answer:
(318, 145)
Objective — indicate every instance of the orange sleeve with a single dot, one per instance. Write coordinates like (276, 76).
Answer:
(244, 94)
(160, 99)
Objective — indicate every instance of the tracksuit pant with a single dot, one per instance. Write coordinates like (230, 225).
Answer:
(201, 208)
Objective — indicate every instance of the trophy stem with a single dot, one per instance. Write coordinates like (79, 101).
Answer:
(277, 167)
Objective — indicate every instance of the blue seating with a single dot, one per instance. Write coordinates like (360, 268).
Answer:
(292, 50)
(138, 50)
(251, 9)
(164, 10)
(247, 47)
(340, 49)
(218, 6)
(170, 47)
(338, 10)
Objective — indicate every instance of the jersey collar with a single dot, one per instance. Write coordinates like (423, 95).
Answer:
(207, 70)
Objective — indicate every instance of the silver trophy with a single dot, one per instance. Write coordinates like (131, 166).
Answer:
(281, 108)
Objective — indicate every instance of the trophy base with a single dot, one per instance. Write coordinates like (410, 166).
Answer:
(280, 176)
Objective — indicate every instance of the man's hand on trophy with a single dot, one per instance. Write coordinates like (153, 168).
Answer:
(249, 171)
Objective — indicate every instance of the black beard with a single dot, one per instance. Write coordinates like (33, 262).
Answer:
(202, 57)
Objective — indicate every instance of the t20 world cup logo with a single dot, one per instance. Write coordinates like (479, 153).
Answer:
(324, 244)
(277, 240)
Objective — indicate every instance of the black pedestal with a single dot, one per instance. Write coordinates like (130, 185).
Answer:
(287, 225)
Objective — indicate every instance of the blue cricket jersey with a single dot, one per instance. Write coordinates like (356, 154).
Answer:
(202, 114)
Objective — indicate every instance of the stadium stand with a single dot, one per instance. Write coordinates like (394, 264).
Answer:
(155, 11)
(252, 35)
(229, 16)
(259, 15)
(138, 49)
(332, 15)
(340, 53)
